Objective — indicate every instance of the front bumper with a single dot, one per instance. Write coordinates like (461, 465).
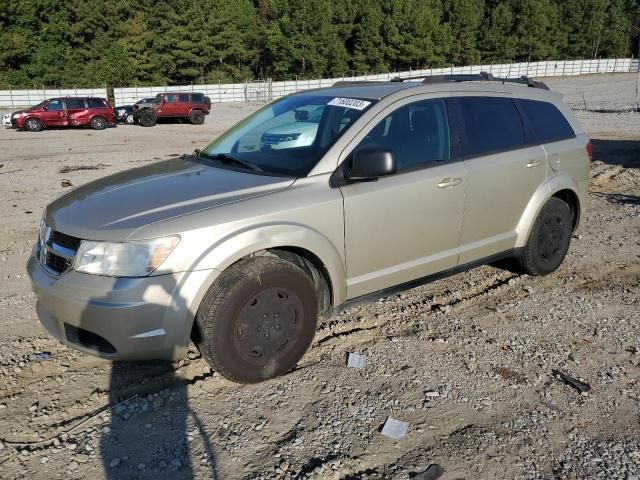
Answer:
(6, 120)
(114, 318)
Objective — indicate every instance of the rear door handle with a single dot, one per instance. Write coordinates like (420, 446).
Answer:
(535, 163)
(449, 182)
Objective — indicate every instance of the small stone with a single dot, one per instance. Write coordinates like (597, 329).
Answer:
(176, 462)
(73, 465)
(141, 466)
(114, 463)
(82, 458)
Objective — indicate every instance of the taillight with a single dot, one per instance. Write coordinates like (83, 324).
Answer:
(590, 150)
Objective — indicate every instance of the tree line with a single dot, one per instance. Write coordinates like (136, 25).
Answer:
(79, 43)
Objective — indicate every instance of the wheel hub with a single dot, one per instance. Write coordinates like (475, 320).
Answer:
(267, 323)
(552, 238)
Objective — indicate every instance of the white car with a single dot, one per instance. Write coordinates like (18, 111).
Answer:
(6, 120)
(300, 133)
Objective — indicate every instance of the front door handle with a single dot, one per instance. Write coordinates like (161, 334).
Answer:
(535, 163)
(449, 182)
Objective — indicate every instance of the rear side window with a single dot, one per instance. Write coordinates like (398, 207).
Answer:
(75, 103)
(184, 97)
(489, 125)
(95, 103)
(197, 98)
(549, 125)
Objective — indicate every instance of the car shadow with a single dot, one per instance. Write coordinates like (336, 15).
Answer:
(151, 425)
(624, 153)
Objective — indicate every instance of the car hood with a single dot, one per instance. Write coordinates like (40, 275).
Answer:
(114, 207)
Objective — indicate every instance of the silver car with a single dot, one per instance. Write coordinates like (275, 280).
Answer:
(241, 248)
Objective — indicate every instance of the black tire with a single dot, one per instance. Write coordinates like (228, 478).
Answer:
(98, 123)
(257, 320)
(33, 125)
(549, 239)
(147, 118)
(197, 117)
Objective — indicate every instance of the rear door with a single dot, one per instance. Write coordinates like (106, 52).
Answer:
(407, 225)
(183, 107)
(77, 111)
(505, 167)
(54, 115)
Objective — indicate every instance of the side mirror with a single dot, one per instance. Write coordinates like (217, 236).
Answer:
(371, 163)
(44, 109)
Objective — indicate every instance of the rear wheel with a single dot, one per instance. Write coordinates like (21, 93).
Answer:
(33, 125)
(98, 123)
(257, 320)
(197, 117)
(147, 118)
(549, 239)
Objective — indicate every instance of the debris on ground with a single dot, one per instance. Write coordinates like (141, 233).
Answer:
(395, 428)
(582, 387)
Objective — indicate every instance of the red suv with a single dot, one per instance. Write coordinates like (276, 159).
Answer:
(188, 105)
(65, 112)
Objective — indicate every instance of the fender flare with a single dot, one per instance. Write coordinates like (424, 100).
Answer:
(538, 199)
(240, 244)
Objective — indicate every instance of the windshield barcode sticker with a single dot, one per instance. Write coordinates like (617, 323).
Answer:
(354, 103)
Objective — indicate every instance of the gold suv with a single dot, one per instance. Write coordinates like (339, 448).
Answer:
(317, 199)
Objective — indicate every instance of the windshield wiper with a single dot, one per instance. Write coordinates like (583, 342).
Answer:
(223, 157)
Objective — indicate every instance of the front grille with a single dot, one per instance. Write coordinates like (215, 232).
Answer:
(57, 263)
(275, 138)
(66, 241)
(88, 339)
(57, 250)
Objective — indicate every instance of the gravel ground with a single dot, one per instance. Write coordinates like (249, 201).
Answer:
(468, 361)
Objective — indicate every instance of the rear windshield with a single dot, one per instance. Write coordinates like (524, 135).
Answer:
(290, 135)
(549, 125)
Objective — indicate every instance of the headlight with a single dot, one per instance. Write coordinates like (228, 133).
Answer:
(290, 137)
(129, 259)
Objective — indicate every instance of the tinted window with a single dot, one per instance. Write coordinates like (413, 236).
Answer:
(489, 125)
(55, 105)
(197, 98)
(170, 98)
(548, 123)
(184, 97)
(95, 103)
(75, 103)
(416, 134)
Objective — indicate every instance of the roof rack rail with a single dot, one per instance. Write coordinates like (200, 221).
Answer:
(478, 77)
(342, 83)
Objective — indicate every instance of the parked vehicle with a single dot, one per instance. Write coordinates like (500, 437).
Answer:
(242, 249)
(124, 113)
(6, 120)
(65, 112)
(300, 133)
(193, 106)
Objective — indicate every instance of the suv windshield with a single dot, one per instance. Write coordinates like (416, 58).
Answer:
(289, 136)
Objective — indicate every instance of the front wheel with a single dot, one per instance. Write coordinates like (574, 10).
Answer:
(549, 239)
(147, 118)
(257, 320)
(33, 125)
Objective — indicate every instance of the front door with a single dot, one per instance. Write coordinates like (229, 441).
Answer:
(407, 225)
(54, 115)
(168, 105)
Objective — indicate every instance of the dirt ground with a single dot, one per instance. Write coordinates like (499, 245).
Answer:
(467, 360)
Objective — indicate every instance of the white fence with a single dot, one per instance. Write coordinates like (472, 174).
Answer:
(267, 90)
(25, 98)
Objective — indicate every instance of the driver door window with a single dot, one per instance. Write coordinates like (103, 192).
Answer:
(417, 134)
(55, 105)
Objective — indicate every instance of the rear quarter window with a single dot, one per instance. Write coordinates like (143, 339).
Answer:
(197, 98)
(547, 122)
(489, 125)
(96, 103)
